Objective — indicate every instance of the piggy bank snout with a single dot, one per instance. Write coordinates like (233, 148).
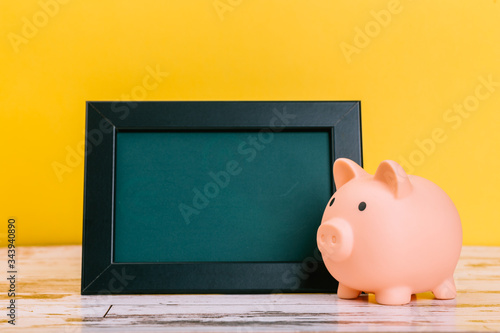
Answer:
(335, 239)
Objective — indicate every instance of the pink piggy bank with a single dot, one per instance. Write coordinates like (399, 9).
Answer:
(390, 234)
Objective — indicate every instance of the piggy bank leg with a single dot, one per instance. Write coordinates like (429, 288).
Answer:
(446, 290)
(347, 293)
(394, 296)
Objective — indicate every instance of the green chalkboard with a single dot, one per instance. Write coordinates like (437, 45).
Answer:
(206, 196)
(210, 196)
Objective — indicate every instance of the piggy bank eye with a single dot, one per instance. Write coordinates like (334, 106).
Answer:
(362, 206)
(331, 202)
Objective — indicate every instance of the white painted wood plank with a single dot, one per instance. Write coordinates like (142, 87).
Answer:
(362, 314)
(49, 286)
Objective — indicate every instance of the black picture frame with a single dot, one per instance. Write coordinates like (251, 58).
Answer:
(100, 275)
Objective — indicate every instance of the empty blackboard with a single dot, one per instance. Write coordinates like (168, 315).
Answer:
(210, 197)
(177, 200)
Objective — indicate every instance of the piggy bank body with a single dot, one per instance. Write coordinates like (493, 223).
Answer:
(390, 234)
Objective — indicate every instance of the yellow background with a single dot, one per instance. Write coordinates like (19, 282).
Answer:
(411, 70)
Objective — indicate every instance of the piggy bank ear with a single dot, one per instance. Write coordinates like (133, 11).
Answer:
(394, 176)
(344, 170)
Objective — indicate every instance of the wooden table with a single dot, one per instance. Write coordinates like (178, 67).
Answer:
(48, 298)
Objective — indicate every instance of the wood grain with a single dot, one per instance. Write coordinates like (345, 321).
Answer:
(49, 283)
